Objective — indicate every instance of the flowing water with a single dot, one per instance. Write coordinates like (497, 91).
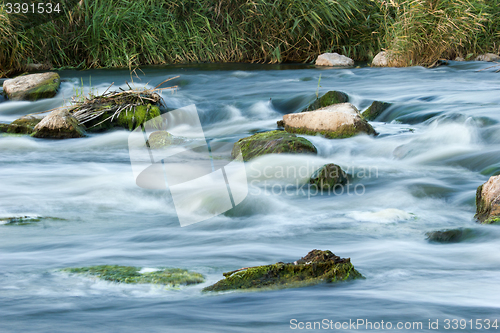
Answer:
(438, 142)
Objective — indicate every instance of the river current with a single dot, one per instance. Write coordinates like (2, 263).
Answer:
(438, 142)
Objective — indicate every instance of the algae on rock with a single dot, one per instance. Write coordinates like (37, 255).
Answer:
(328, 176)
(130, 274)
(316, 267)
(330, 98)
(273, 142)
(375, 110)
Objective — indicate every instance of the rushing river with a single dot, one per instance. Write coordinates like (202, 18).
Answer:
(438, 142)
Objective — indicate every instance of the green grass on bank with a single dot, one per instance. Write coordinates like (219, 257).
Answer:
(129, 33)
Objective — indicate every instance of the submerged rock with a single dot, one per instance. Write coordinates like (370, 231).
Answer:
(333, 122)
(59, 124)
(488, 57)
(32, 87)
(450, 235)
(24, 220)
(163, 139)
(334, 60)
(274, 142)
(130, 274)
(488, 201)
(375, 110)
(330, 98)
(316, 267)
(329, 175)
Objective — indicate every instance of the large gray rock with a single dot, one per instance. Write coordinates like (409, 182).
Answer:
(59, 124)
(488, 57)
(334, 122)
(381, 60)
(32, 87)
(488, 201)
(334, 60)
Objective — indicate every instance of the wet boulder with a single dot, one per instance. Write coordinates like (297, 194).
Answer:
(375, 110)
(32, 87)
(316, 267)
(334, 60)
(333, 122)
(488, 57)
(59, 124)
(330, 98)
(488, 201)
(136, 275)
(328, 176)
(273, 142)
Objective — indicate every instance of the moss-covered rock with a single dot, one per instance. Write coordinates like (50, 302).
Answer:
(32, 87)
(23, 125)
(273, 142)
(59, 124)
(488, 201)
(130, 274)
(163, 139)
(450, 235)
(126, 119)
(316, 267)
(333, 122)
(329, 175)
(375, 110)
(330, 98)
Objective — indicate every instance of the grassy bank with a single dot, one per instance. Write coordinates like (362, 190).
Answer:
(129, 33)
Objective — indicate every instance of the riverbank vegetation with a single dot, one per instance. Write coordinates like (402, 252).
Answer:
(124, 33)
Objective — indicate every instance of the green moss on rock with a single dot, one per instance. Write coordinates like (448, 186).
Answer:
(130, 274)
(316, 267)
(330, 98)
(328, 176)
(375, 110)
(127, 119)
(273, 142)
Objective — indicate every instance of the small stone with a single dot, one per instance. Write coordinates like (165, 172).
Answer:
(380, 60)
(488, 57)
(334, 60)
(328, 176)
